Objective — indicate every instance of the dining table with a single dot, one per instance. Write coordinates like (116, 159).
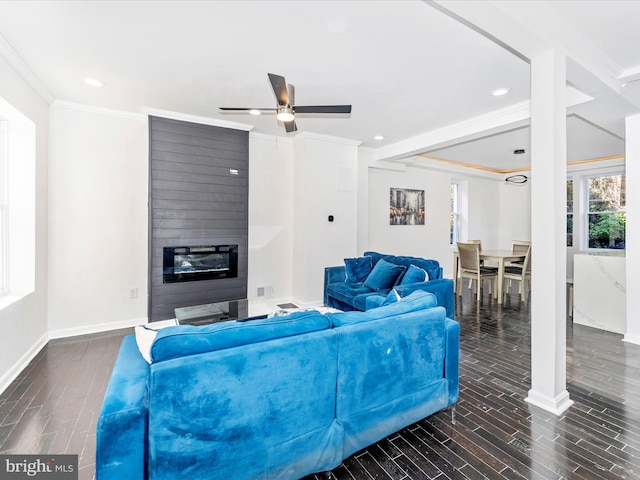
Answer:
(500, 257)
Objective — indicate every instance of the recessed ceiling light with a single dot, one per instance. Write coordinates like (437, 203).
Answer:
(337, 25)
(255, 112)
(378, 137)
(500, 91)
(94, 82)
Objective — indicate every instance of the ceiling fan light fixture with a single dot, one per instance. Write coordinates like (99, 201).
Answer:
(285, 114)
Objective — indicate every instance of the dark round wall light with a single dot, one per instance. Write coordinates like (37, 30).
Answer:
(517, 179)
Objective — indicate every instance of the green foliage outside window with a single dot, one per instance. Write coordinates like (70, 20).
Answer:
(607, 216)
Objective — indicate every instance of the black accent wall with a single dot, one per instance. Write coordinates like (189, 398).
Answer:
(195, 199)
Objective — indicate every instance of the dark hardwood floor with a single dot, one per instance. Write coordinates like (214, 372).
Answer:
(53, 406)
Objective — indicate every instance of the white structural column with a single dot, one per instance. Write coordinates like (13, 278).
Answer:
(632, 237)
(548, 232)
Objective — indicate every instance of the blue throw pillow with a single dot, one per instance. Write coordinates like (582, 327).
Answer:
(414, 275)
(383, 275)
(393, 297)
(358, 269)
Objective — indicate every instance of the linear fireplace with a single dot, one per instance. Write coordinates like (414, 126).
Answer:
(189, 264)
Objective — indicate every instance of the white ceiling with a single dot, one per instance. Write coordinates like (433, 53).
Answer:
(407, 67)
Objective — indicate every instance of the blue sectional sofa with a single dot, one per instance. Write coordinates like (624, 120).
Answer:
(274, 398)
(347, 287)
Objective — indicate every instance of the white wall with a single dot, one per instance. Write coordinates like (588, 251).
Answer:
(325, 183)
(514, 213)
(430, 240)
(98, 220)
(492, 211)
(24, 323)
(271, 184)
(483, 213)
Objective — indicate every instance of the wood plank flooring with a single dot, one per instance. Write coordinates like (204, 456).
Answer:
(53, 406)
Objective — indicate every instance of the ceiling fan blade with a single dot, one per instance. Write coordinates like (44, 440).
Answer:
(322, 108)
(291, 90)
(245, 109)
(290, 126)
(279, 85)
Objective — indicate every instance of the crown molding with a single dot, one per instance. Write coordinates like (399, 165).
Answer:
(215, 122)
(99, 110)
(15, 61)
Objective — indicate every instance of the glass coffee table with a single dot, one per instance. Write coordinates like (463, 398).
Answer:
(212, 312)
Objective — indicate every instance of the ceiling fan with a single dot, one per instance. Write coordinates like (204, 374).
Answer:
(286, 107)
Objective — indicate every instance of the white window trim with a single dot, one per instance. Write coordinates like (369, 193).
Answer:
(20, 210)
(586, 213)
(456, 214)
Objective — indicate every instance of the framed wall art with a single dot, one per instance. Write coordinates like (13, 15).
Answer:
(406, 206)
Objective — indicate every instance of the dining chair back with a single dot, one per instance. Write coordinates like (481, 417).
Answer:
(520, 247)
(469, 254)
(520, 273)
(479, 242)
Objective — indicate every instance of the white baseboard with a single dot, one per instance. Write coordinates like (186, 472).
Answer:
(100, 327)
(23, 361)
(301, 304)
(630, 338)
(9, 376)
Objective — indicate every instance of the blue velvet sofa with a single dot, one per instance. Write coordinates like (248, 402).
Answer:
(348, 291)
(274, 398)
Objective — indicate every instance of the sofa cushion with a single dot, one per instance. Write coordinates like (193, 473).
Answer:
(390, 374)
(360, 301)
(418, 300)
(346, 292)
(184, 340)
(432, 267)
(358, 269)
(383, 275)
(414, 275)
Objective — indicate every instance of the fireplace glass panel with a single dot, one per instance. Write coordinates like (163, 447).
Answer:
(188, 264)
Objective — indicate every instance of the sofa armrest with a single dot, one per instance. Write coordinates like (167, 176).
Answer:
(121, 436)
(442, 288)
(333, 275)
(374, 301)
(452, 358)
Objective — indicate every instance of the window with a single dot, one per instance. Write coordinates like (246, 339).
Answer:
(606, 215)
(569, 213)
(454, 222)
(3, 207)
(17, 204)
